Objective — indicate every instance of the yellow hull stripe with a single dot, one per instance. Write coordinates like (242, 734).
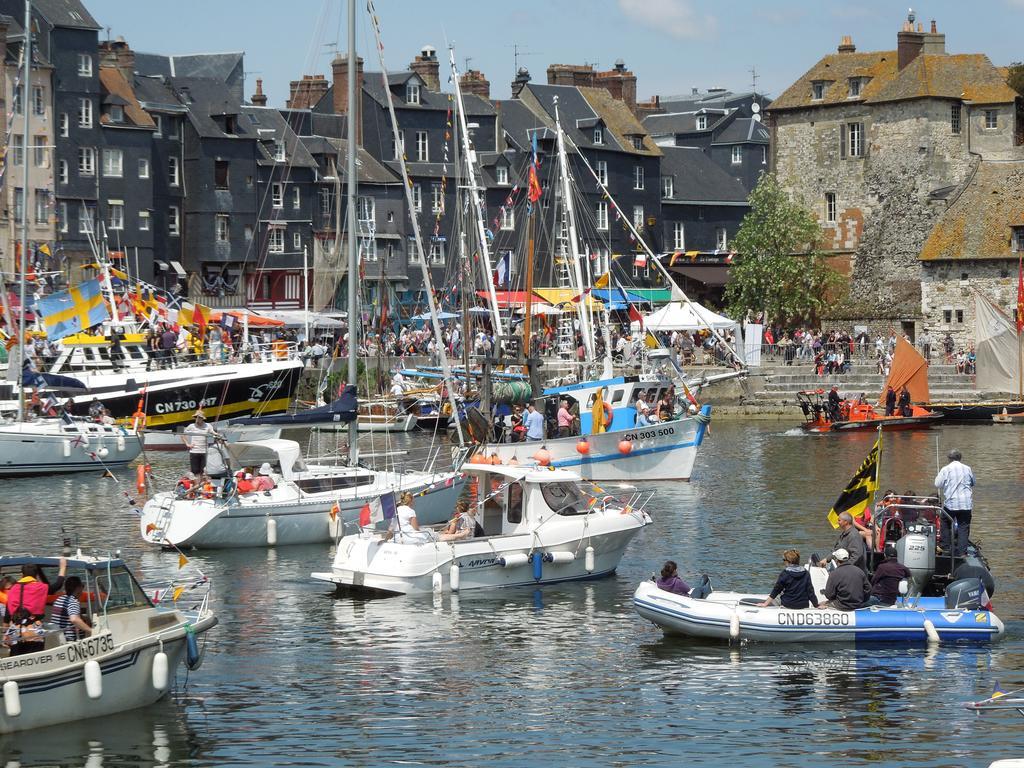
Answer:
(213, 413)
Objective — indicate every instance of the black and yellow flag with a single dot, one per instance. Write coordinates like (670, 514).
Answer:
(861, 489)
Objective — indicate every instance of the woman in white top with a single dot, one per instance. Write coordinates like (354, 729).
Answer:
(404, 527)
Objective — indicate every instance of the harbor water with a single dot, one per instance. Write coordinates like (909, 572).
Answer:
(568, 675)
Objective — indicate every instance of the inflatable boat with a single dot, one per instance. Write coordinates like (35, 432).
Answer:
(959, 615)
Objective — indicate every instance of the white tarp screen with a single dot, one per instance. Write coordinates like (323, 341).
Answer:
(752, 337)
(996, 349)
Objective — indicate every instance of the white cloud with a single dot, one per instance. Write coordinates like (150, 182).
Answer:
(677, 18)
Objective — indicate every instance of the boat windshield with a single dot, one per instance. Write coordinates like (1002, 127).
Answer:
(564, 498)
(121, 591)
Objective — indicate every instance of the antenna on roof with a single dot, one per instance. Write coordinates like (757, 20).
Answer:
(465, 67)
(518, 52)
(753, 78)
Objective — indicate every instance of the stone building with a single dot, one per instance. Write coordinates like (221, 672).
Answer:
(877, 144)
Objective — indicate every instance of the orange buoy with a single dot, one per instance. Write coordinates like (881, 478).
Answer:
(583, 447)
(625, 447)
(140, 478)
(543, 457)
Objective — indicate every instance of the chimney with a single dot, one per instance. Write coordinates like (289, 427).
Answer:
(307, 92)
(117, 54)
(522, 78)
(908, 43)
(473, 81)
(846, 45)
(571, 74)
(934, 42)
(620, 83)
(426, 66)
(258, 99)
(339, 68)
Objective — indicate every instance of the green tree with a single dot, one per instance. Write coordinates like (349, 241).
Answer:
(1015, 78)
(777, 268)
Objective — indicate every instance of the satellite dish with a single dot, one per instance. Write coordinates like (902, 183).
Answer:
(756, 118)
(755, 107)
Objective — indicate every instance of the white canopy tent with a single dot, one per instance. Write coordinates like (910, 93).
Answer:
(682, 316)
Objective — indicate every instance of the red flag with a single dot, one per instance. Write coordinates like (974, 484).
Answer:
(640, 260)
(1020, 294)
(635, 316)
(364, 515)
(535, 190)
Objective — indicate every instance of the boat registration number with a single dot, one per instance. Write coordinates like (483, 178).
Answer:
(176, 406)
(814, 619)
(649, 433)
(66, 654)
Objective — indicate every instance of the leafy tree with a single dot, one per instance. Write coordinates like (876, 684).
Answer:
(777, 268)
(1015, 78)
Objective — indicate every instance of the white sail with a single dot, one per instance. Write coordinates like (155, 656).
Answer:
(996, 346)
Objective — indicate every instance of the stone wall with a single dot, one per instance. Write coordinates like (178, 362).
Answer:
(948, 287)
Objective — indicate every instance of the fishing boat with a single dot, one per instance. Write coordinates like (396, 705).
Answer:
(310, 504)
(128, 661)
(539, 526)
(959, 616)
(53, 445)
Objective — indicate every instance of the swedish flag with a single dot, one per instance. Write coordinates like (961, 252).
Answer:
(74, 310)
(861, 489)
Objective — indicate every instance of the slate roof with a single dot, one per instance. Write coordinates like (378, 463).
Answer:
(155, 94)
(121, 92)
(65, 13)
(271, 127)
(698, 178)
(206, 98)
(743, 130)
(835, 70)
(226, 68)
(969, 76)
(619, 120)
(977, 225)
(516, 122)
(707, 100)
(368, 169)
(682, 122)
(430, 100)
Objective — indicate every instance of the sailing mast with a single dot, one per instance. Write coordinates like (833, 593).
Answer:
(26, 75)
(350, 193)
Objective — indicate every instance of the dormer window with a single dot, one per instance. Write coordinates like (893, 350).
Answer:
(279, 155)
(855, 85)
(501, 174)
(638, 142)
(412, 93)
(817, 91)
(230, 125)
(116, 114)
(599, 135)
(702, 122)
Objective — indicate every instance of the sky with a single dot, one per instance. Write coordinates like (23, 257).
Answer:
(671, 45)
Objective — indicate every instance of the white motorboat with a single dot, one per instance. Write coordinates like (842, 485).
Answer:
(738, 616)
(128, 661)
(540, 526)
(171, 440)
(309, 505)
(46, 446)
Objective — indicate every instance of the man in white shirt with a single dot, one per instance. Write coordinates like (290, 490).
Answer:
(197, 439)
(956, 483)
(534, 422)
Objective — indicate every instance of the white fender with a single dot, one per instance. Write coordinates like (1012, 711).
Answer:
(93, 679)
(271, 531)
(929, 629)
(436, 581)
(12, 698)
(588, 559)
(453, 577)
(120, 442)
(562, 557)
(734, 626)
(333, 525)
(512, 561)
(66, 448)
(160, 671)
(102, 452)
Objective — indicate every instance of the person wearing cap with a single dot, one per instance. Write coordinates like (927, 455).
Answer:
(197, 437)
(847, 588)
(851, 541)
(834, 403)
(955, 482)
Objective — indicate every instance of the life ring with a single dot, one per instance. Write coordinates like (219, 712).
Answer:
(607, 414)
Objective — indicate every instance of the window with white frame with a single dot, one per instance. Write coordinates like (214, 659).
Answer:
(702, 122)
(247, 233)
(737, 154)
(297, 240)
(173, 220)
(436, 198)
(437, 252)
(854, 87)
(84, 65)
(501, 174)
(115, 215)
(599, 135)
(279, 155)
(638, 216)
(830, 207)
(366, 211)
(667, 186)
(113, 163)
(397, 150)
(414, 252)
(62, 217)
(422, 146)
(17, 150)
(173, 171)
(508, 217)
(637, 140)
(277, 194)
(85, 113)
(326, 202)
(855, 139)
(296, 197)
(275, 240)
(143, 167)
(64, 125)
(678, 236)
(86, 161)
(222, 227)
(412, 93)
(38, 100)
(144, 221)
(602, 215)
(991, 119)
(159, 120)
(62, 171)
(116, 113)
(86, 219)
(721, 239)
(638, 177)
(40, 156)
(368, 249)
(417, 197)
(601, 170)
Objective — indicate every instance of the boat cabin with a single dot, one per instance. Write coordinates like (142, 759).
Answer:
(285, 459)
(620, 393)
(86, 353)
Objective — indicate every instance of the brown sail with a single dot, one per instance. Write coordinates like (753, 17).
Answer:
(908, 370)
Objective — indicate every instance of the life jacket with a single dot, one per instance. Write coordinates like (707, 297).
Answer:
(245, 486)
(28, 592)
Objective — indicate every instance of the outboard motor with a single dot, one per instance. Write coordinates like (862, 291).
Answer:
(916, 550)
(966, 594)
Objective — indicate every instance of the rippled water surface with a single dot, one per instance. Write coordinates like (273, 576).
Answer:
(567, 675)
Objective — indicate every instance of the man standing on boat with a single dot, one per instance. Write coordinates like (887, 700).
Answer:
(197, 439)
(956, 483)
(850, 541)
(534, 423)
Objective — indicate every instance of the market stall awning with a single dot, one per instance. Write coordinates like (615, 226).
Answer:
(683, 316)
(709, 274)
(255, 321)
(617, 296)
(507, 298)
(654, 295)
(560, 296)
(297, 318)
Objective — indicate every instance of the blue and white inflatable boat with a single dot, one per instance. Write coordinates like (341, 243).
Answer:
(736, 616)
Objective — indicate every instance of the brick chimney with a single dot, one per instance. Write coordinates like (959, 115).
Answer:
(259, 99)
(650, 107)
(426, 66)
(307, 92)
(620, 83)
(846, 45)
(934, 41)
(339, 68)
(522, 78)
(117, 54)
(571, 74)
(908, 42)
(473, 81)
